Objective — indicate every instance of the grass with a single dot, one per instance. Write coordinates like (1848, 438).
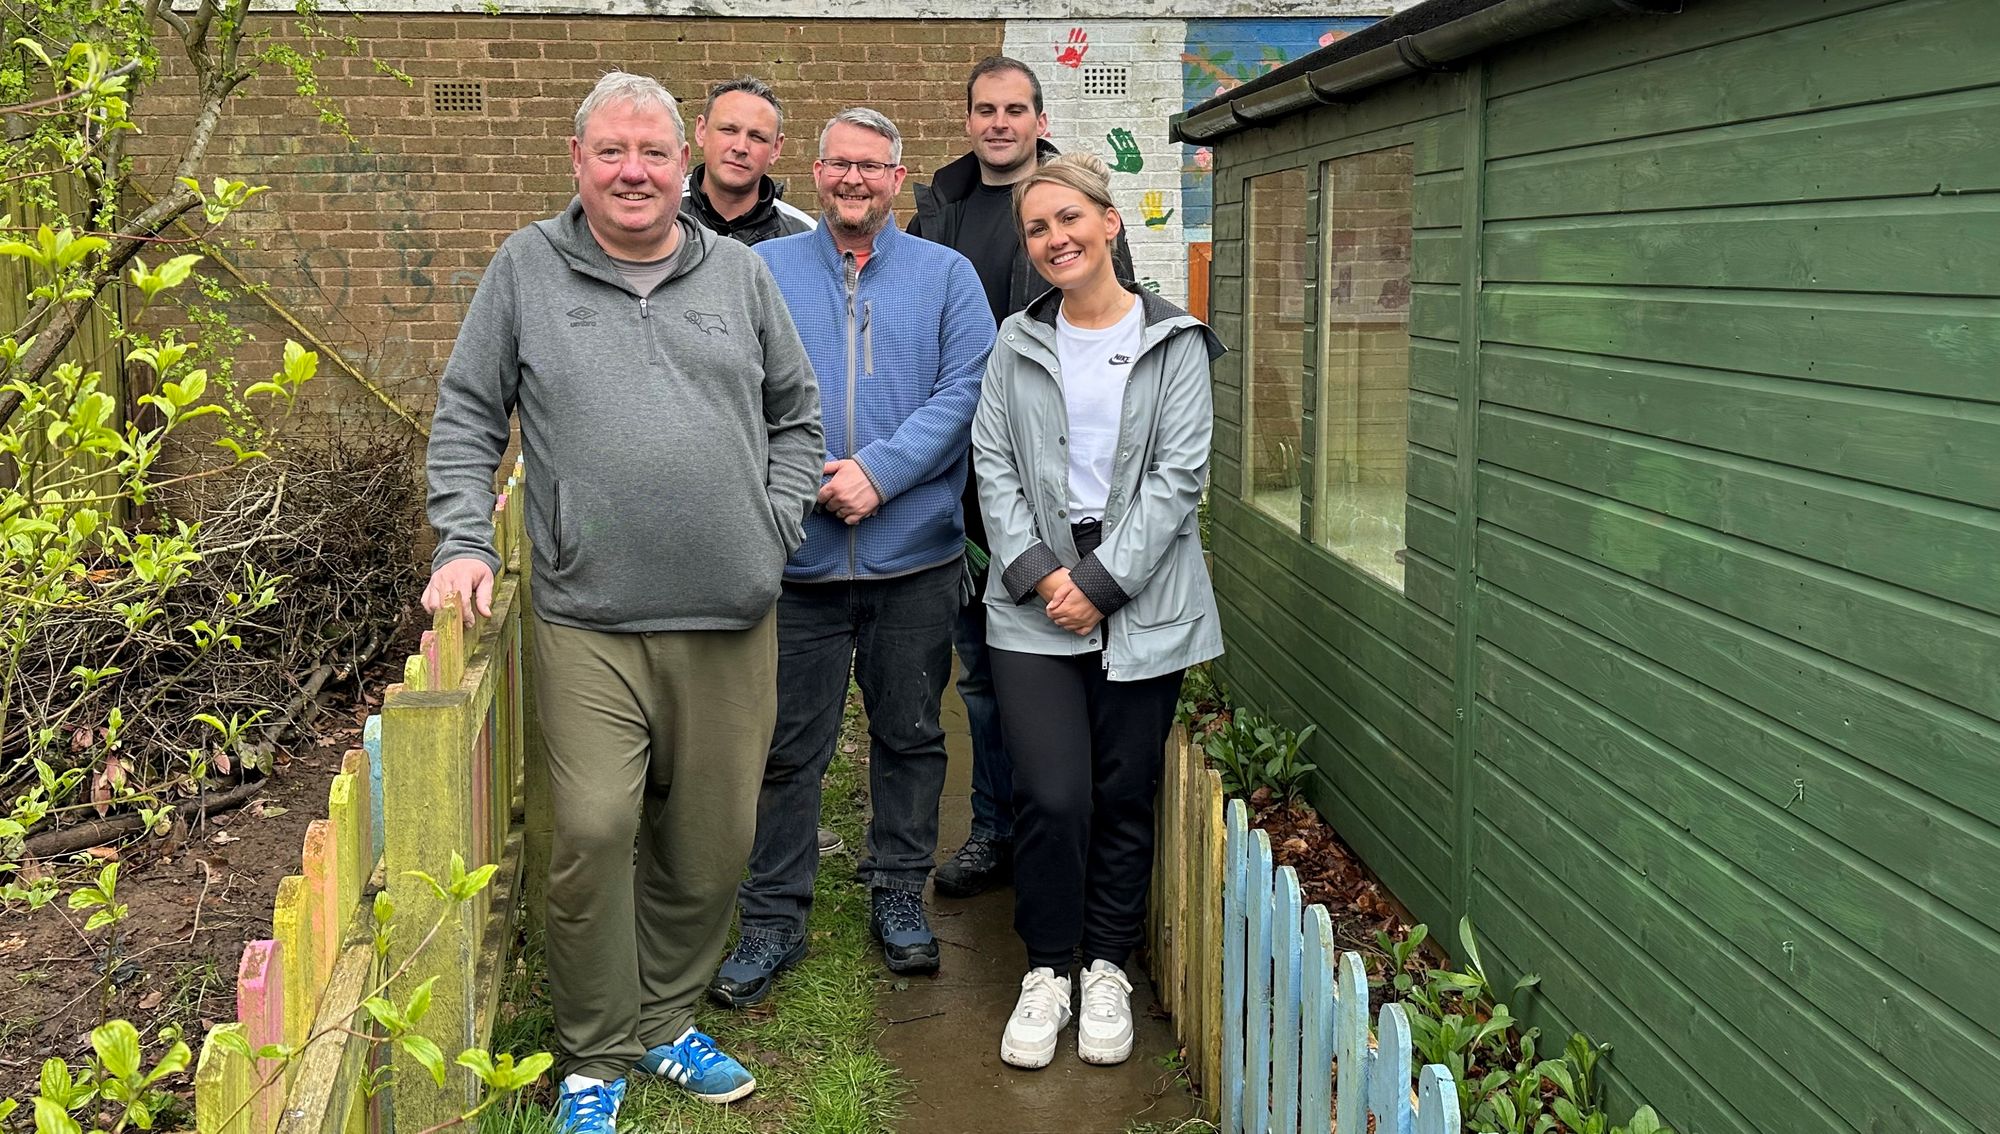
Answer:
(811, 1045)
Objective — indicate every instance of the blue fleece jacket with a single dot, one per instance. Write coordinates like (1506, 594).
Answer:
(899, 349)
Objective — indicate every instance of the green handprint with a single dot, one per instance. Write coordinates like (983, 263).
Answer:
(1126, 151)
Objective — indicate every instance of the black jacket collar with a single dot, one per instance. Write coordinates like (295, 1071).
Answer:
(955, 182)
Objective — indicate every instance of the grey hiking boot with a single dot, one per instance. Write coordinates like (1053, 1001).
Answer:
(830, 842)
(980, 865)
(747, 976)
(898, 922)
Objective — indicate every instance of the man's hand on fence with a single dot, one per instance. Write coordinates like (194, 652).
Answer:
(465, 576)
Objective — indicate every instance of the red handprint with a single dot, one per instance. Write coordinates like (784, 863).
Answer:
(1071, 55)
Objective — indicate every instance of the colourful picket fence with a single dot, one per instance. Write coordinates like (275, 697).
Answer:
(1274, 1022)
(441, 772)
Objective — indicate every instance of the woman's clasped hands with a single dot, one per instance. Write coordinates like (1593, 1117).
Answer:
(1067, 606)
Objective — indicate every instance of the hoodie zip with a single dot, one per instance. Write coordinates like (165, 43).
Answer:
(851, 274)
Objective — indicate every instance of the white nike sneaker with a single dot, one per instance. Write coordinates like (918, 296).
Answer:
(1104, 1030)
(1039, 1016)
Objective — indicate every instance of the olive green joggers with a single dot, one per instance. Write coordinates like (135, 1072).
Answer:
(659, 740)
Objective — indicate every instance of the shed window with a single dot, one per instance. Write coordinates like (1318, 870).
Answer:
(1364, 397)
(1275, 354)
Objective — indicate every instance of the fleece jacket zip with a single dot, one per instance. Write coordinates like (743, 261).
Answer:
(899, 344)
(672, 440)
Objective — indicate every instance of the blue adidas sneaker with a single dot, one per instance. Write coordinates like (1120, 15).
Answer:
(696, 1063)
(590, 1108)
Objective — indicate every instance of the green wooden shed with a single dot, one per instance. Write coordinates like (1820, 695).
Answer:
(1608, 464)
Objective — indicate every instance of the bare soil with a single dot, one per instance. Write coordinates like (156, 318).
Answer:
(196, 899)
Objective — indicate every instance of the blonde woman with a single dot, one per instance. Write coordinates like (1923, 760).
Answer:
(1091, 446)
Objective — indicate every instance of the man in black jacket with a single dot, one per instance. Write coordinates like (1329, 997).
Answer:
(968, 206)
(741, 132)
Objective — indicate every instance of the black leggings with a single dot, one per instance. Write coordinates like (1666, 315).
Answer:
(1087, 758)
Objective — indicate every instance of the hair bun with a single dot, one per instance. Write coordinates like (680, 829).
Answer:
(1085, 162)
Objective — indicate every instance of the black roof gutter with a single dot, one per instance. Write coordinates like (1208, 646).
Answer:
(1433, 36)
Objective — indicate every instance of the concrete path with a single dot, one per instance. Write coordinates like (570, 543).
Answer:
(943, 1032)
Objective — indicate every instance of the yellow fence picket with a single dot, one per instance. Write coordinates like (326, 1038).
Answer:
(222, 1085)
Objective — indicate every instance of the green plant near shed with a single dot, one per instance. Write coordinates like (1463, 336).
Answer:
(1253, 753)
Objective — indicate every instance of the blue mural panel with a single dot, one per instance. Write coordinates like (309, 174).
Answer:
(1221, 55)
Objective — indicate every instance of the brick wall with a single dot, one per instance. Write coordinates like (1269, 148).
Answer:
(376, 243)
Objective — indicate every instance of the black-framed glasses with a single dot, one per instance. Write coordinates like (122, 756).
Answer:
(869, 170)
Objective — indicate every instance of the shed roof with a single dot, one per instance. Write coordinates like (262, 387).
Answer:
(1433, 36)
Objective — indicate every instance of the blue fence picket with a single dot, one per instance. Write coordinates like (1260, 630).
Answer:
(1437, 1101)
(1235, 862)
(1296, 1050)
(1351, 1046)
(1389, 1080)
(1316, 1025)
(1288, 956)
(1257, 1058)
(371, 739)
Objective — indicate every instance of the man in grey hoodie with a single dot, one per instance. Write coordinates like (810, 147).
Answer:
(670, 426)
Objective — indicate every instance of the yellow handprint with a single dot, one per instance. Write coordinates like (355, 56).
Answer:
(1150, 206)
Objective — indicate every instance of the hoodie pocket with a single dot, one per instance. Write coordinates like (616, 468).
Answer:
(558, 541)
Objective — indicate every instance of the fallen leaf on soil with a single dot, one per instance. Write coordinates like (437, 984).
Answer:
(267, 810)
(151, 1000)
(222, 763)
(13, 944)
(107, 853)
(105, 784)
(224, 837)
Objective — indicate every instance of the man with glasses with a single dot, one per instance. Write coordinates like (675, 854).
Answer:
(671, 428)
(898, 332)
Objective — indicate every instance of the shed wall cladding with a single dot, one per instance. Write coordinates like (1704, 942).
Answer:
(1728, 660)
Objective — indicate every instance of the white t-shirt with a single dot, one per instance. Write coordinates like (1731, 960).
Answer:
(1095, 365)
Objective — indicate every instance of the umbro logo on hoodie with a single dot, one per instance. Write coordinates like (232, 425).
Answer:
(581, 317)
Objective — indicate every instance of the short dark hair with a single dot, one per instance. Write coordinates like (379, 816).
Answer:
(993, 65)
(750, 85)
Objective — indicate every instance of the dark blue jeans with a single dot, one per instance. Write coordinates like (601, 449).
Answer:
(992, 769)
(896, 636)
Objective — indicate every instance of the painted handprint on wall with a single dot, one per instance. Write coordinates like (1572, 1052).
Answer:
(1071, 54)
(1150, 207)
(1124, 152)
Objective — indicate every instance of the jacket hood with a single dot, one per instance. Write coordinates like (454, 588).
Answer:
(1162, 318)
(955, 182)
(569, 234)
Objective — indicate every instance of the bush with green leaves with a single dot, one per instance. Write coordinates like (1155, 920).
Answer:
(118, 392)
(1456, 1020)
(1253, 753)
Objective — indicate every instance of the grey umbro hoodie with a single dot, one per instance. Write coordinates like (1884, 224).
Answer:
(672, 440)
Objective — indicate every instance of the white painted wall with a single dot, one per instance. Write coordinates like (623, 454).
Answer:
(1150, 52)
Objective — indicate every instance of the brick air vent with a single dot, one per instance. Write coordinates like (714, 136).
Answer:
(455, 96)
(1105, 80)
